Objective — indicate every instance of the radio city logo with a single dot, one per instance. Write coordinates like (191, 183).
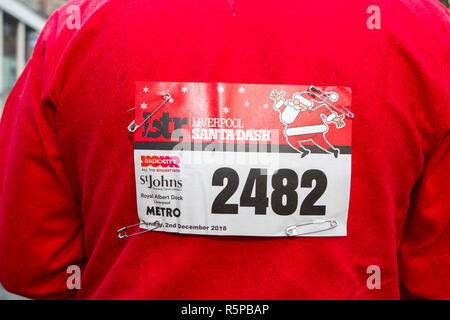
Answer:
(160, 161)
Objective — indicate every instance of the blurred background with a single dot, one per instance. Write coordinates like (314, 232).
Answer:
(20, 24)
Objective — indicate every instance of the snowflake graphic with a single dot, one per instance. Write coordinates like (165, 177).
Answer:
(247, 103)
(145, 89)
(143, 106)
(241, 90)
(226, 110)
(220, 89)
(184, 89)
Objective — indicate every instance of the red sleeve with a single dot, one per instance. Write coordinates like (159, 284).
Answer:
(424, 256)
(41, 230)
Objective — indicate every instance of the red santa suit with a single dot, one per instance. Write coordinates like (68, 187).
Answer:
(310, 124)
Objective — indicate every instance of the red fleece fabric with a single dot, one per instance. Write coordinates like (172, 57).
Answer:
(66, 165)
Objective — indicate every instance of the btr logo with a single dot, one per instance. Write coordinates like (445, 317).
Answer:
(163, 127)
(160, 161)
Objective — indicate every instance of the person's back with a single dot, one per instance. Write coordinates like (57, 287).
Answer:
(66, 171)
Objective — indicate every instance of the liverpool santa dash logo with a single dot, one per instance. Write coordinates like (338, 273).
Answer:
(309, 119)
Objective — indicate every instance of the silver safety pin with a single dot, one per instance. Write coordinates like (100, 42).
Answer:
(122, 232)
(133, 126)
(293, 230)
(314, 91)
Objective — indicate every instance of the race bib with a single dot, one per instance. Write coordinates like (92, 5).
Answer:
(243, 159)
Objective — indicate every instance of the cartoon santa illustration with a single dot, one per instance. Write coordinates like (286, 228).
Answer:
(307, 118)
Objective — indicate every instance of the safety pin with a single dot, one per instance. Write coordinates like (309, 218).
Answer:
(122, 232)
(314, 90)
(292, 231)
(133, 126)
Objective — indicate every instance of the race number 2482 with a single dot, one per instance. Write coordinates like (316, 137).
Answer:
(283, 199)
